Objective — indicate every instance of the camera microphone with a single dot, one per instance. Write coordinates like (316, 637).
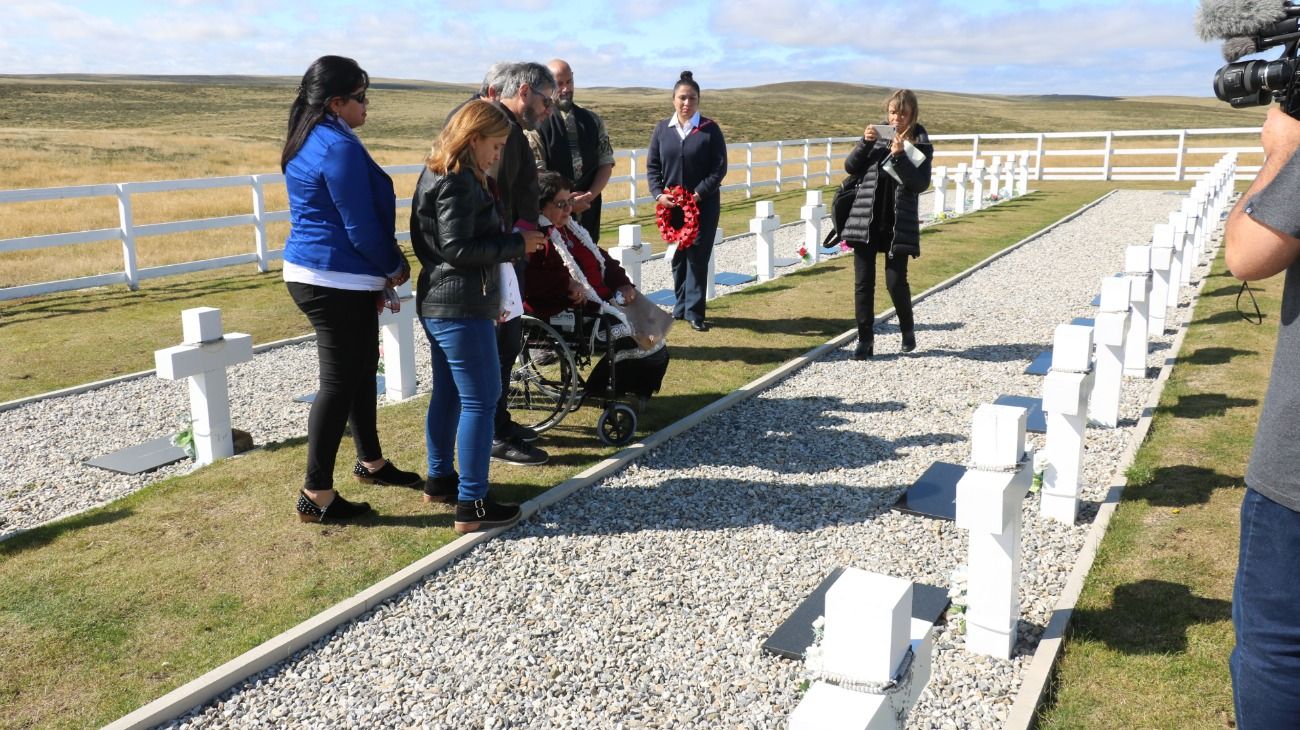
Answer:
(1236, 18)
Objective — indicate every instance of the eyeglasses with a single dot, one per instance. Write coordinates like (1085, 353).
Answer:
(359, 98)
(564, 204)
(547, 101)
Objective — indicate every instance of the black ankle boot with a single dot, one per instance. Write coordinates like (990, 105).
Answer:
(387, 475)
(442, 489)
(336, 511)
(909, 342)
(484, 514)
(864, 350)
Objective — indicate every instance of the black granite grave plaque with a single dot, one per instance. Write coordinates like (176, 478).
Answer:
(934, 494)
(1085, 321)
(731, 278)
(1036, 420)
(139, 459)
(793, 637)
(1041, 364)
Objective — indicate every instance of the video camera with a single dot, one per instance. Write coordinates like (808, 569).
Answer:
(1251, 26)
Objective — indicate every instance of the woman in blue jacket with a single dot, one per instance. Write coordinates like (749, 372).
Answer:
(340, 255)
(687, 149)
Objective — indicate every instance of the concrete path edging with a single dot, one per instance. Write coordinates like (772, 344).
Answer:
(208, 686)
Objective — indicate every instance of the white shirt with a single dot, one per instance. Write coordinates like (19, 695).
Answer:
(685, 129)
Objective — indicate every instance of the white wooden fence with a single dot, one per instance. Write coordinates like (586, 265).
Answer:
(815, 158)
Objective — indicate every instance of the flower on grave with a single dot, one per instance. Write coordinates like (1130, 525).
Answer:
(679, 223)
(1040, 467)
(957, 598)
(812, 656)
(803, 254)
(184, 439)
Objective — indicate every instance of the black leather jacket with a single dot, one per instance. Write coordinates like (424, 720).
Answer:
(456, 234)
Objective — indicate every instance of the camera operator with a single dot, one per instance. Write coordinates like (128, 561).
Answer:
(1262, 239)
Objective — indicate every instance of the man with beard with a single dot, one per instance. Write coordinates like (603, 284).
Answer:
(524, 91)
(574, 143)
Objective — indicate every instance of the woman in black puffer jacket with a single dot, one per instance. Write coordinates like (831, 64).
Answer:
(884, 216)
(458, 235)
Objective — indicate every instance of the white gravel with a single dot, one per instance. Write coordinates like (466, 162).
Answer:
(643, 601)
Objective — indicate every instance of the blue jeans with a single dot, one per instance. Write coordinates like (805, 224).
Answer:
(1265, 600)
(466, 384)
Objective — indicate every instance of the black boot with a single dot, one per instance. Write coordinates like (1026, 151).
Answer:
(864, 350)
(484, 514)
(442, 489)
(909, 341)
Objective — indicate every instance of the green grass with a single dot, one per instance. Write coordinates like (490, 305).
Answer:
(89, 629)
(1149, 643)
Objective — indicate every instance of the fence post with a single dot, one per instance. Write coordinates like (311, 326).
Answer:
(807, 147)
(632, 184)
(780, 164)
(1038, 169)
(1182, 150)
(129, 266)
(829, 150)
(749, 170)
(259, 223)
(1105, 161)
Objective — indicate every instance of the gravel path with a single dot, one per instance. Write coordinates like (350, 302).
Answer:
(43, 445)
(643, 600)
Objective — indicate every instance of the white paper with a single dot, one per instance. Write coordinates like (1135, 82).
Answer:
(512, 305)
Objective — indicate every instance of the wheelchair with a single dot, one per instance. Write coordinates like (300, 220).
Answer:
(547, 382)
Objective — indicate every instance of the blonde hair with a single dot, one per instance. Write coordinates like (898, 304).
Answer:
(453, 148)
(905, 100)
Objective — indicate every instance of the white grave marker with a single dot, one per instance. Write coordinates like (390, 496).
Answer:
(812, 214)
(202, 360)
(959, 189)
(1110, 331)
(1162, 257)
(939, 181)
(1065, 401)
(1137, 269)
(398, 330)
(977, 180)
(764, 226)
(629, 253)
(1179, 223)
(711, 273)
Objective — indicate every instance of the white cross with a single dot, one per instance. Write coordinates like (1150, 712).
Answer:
(202, 360)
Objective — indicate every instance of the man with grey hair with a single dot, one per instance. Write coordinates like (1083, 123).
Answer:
(575, 144)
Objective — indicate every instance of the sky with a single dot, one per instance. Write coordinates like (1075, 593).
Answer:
(1102, 47)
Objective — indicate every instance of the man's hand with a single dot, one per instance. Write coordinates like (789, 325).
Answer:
(581, 202)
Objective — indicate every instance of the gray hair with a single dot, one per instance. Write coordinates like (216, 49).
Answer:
(492, 79)
(515, 75)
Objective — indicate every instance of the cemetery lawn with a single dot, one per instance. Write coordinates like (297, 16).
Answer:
(1150, 639)
(102, 612)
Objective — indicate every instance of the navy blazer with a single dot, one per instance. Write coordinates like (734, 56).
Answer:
(341, 206)
(697, 163)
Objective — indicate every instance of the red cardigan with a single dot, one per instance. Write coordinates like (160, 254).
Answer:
(546, 281)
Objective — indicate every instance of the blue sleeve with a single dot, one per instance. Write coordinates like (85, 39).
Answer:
(346, 170)
(654, 165)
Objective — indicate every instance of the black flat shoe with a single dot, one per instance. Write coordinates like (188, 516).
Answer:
(863, 351)
(442, 489)
(337, 510)
(387, 475)
(699, 325)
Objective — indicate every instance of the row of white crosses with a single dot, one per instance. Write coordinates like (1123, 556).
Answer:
(205, 353)
(868, 630)
(1005, 178)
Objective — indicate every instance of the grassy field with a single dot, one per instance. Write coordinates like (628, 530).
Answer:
(88, 632)
(1149, 643)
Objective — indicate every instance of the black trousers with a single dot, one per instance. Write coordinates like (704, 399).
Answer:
(510, 341)
(347, 346)
(864, 289)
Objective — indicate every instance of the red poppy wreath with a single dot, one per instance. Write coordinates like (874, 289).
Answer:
(679, 223)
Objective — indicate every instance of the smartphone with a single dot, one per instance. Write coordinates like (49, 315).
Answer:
(886, 131)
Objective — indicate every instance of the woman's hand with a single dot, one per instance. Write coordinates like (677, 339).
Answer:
(871, 135)
(402, 276)
(666, 199)
(696, 198)
(534, 241)
(576, 294)
(896, 147)
(628, 291)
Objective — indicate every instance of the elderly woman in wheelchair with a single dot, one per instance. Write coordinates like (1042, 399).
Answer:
(580, 306)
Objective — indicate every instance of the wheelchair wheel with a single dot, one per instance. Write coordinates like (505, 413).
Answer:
(544, 383)
(617, 424)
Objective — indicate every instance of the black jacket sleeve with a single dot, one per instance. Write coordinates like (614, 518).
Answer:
(717, 163)
(654, 164)
(863, 156)
(453, 209)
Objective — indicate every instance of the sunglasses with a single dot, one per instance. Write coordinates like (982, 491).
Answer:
(564, 204)
(358, 98)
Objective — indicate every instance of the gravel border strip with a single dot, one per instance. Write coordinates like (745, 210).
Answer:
(199, 691)
(1033, 685)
